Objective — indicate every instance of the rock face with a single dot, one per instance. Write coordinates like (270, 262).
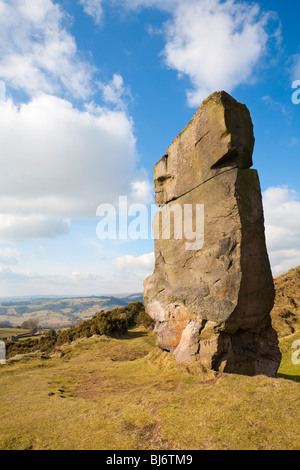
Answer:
(211, 297)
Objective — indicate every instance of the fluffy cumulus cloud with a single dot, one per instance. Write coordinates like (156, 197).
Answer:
(115, 92)
(37, 53)
(282, 215)
(135, 263)
(216, 44)
(65, 162)
(93, 8)
(60, 161)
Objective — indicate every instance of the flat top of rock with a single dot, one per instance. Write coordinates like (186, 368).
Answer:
(219, 136)
(217, 98)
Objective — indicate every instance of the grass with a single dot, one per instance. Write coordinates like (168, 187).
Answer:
(288, 369)
(7, 332)
(117, 394)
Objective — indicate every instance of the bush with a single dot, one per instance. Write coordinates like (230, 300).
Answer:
(144, 320)
(22, 347)
(113, 323)
(52, 333)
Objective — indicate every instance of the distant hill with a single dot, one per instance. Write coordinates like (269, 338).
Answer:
(60, 312)
(286, 312)
(104, 392)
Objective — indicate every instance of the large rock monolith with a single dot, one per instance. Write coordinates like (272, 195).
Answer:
(211, 298)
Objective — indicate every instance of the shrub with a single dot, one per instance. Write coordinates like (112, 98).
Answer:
(22, 347)
(113, 323)
(52, 333)
(145, 320)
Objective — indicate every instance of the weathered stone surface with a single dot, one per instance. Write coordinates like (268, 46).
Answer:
(213, 303)
(220, 135)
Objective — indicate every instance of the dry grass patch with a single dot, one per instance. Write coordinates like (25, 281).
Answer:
(118, 394)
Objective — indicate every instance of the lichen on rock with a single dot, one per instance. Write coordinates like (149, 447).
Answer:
(212, 303)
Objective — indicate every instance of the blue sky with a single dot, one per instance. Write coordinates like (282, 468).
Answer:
(92, 92)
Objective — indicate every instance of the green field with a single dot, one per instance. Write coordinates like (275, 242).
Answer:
(5, 332)
(123, 394)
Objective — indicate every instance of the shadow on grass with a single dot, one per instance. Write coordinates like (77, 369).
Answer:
(134, 335)
(294, 378)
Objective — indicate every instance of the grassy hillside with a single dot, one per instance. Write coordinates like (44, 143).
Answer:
(122, 394)
(113, 323)
(58, 313)
(286, 312)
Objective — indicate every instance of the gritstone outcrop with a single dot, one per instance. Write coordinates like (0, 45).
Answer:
(212, 300)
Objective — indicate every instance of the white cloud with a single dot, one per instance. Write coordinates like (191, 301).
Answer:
(114, 92)
(141, 190)
(93, 8)
(62, 162)
(2, 91)
(82, 276)
(18, 228)
(9, 256)
(282, 216)
(7, 275)
(284, 260)
(37, 53)
(217, 44)
(57, 161)
(135, 263)
(26, 283)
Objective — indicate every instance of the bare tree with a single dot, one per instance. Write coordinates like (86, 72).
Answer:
(32, 325)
